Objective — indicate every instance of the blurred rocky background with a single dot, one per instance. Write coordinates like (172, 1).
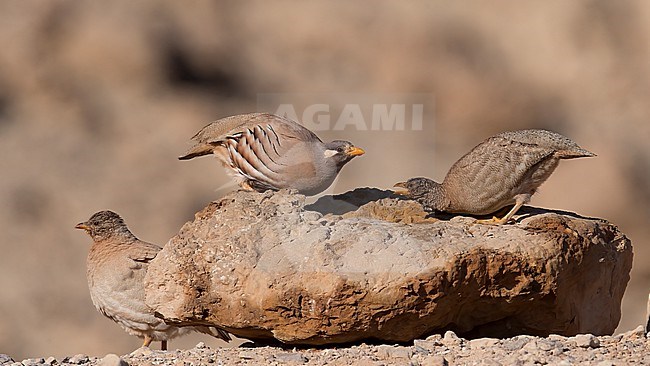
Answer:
(97, 99)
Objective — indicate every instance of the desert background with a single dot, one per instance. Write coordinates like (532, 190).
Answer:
(97, 99)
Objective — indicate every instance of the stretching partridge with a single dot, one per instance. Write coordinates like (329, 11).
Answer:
(503, 170)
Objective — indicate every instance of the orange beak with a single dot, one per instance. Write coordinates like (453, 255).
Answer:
(82, 226)
(355, 151)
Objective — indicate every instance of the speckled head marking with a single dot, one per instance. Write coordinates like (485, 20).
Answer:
(430, 194)
(104, 225)
(416, 187)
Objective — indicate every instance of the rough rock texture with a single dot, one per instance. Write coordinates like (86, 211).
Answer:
(265, 268)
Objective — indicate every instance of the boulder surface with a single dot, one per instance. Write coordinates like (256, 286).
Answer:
(368, 266)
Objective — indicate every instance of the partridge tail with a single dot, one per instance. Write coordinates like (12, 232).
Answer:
(215, 332)
(576, 152)
(197, 150)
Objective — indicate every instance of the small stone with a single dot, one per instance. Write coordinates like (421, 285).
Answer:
(435, 338)
(4, 358)
(587, 341)
(33, 361)
(50, 360)
(383, 351)
(354, 352)
(78, 359)
(424, 347)
(606, 363)
(516, 343)
(142, 351)
(557, 337)
(247, 355)
(450, 339)
(637, 332)
(531, 347)
(483, 343)
(546, 345)
(200, 345)
(434, 360)
(400, 352)
(490, 362)
(112, 359)
(291, 357)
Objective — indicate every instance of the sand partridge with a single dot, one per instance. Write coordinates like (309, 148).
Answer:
(264, 151)
(503, 170)
(116, 266)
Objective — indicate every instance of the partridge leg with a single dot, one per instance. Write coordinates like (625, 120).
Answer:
(163, 345)
(520, 200)
(147, 341)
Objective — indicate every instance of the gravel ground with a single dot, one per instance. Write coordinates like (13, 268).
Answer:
(630, 348)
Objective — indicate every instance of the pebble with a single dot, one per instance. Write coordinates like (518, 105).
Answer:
(587, 341)
(483, 343)
(78, 359)
(291, 357)
(5, 359)
(51, 360)
(383, 351)
(200, 345)
(546, 345)
(606, 363)
(142, 351)
(33, 361)
(424, 347)
(400, 352)
(490, 362)
(435, 338)
(557, 337)
(638, 332)
(434, 360)
(247, 355)
(112, 360)
(450, 339)
(516, 343)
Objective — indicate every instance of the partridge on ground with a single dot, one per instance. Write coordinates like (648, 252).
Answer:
(116, 266)
(503, 170)
(265, 151)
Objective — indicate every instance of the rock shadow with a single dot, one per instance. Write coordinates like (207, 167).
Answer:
(349, 201)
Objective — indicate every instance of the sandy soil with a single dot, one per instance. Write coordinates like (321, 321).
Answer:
(624, 349)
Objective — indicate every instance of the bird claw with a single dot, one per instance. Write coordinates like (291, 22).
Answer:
(493, 221)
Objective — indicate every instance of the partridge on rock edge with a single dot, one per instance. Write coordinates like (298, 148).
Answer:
(116, 266)
(503, 170)
(264, 151)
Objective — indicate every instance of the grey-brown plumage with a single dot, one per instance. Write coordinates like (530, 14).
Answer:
(263, 151)
(116, 266)
(503, 170)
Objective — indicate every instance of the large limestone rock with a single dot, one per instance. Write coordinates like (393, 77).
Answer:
(265, 267)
